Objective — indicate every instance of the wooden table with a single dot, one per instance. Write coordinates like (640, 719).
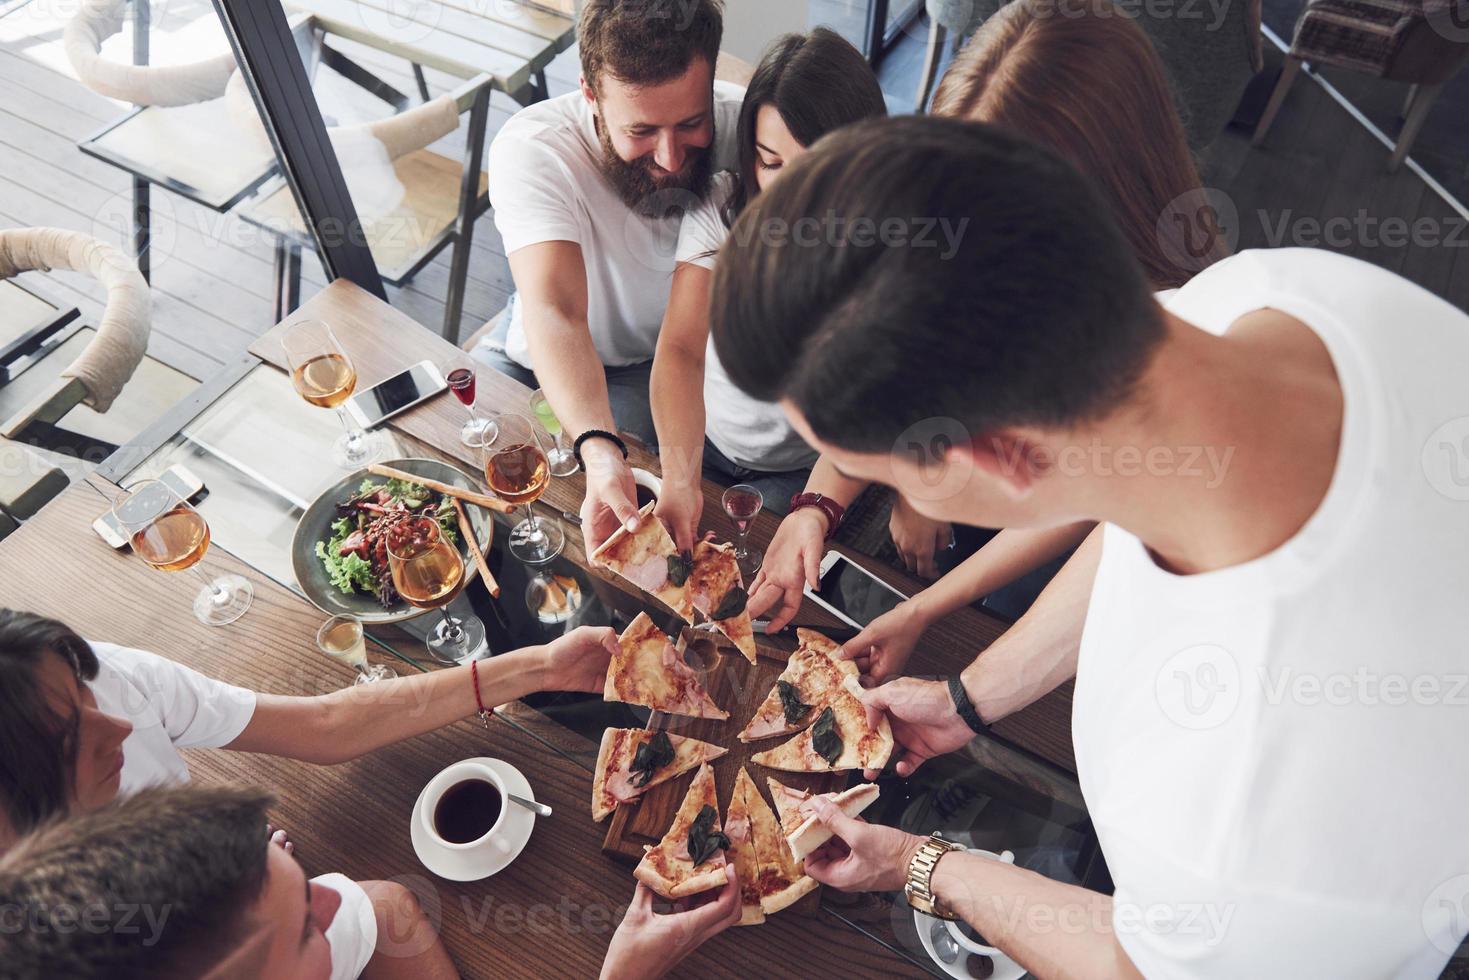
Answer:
(551, 913)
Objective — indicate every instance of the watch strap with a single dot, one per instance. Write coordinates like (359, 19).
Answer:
(833, 510)
(919, 887)
(965, 707)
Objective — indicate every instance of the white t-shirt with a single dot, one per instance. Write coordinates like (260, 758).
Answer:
(1270, 798)
(751, 433)
(546, 185)
(174, 707)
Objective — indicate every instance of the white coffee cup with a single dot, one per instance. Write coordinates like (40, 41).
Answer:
(955, 929)
(452, 776)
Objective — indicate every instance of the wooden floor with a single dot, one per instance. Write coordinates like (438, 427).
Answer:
(213, 277)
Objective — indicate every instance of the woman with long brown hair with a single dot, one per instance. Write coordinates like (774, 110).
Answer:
(1082, 79)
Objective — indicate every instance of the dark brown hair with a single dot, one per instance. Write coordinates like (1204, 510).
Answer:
(817, 82)
(183, 864)
(647, 42)
(1079, 77)
(38, 745)
(919, 268)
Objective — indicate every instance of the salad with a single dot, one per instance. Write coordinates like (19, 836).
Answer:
(356, 554)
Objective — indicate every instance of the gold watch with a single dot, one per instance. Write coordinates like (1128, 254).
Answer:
(919, 890)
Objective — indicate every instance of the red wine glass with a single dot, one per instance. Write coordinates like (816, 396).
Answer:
(476, 431)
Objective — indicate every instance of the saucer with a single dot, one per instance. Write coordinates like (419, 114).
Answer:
(472, 865)
(1004, 968)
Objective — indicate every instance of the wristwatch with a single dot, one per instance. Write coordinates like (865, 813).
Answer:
(919, 890)
(823, 503)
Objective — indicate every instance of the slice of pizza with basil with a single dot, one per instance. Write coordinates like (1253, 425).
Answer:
(648, 559)
(690, 858)
(802, 690)
(840, 738)
(803, 832)
(632, 760)
(779, 880)
(718, 591)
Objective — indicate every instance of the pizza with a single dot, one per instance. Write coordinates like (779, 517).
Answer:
(779, 880)
(690, 857)
(631, 760)
(740, 830)
(840, 738)
(804, 833)
(718, 591)
(647, 558)
(802, 690)
(649, 669)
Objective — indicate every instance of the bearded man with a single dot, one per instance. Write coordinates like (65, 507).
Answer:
(588, 191)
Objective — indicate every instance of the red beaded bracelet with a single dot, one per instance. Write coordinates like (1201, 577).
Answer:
(484, 713)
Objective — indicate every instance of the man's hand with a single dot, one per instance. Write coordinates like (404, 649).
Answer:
(577, 661)
(923, 720)
(918, 538)
(611, 500)
(882, 649)
(680, 506)
(792, 562)
(648, 945)
(861, 857)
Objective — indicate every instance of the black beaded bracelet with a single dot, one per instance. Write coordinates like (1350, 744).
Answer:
(965, 707)
(611, 437)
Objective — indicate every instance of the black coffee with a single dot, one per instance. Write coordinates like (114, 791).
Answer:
(645, 496)
(467, 811)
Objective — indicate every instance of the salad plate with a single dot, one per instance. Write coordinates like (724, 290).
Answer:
(350, 505)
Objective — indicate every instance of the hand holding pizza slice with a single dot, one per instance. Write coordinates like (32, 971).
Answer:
(649, 670)
(690, 858)
(648, 559)
(804, 831)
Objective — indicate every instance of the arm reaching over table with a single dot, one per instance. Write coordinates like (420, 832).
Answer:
(345, 724)
(793, 559)
(551, 280)
(677, 395)
(1029, 661)
(983, 892)
(883, 648)
(647, 945)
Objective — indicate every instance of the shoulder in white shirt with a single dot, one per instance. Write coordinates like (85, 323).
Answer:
(1270, 752)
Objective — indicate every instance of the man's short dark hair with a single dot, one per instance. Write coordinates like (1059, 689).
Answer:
(957, 272)
(155, 886)
(647, 42)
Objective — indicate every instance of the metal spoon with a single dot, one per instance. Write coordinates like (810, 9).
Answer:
(541, 810)
(944, 946)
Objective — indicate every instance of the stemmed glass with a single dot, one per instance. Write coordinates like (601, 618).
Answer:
(552, 598)
(517, 472)
(170, 535)
(476, 430)
(562, 460)
(429, 573)
(742, 502)
(324, 376)
(342, 639)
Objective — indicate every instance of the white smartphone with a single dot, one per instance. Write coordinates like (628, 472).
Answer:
(397, 394)
(852, 593)
(178, 478)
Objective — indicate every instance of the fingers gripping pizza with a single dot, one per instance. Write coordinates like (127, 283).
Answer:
(804, 833)
(647, 558)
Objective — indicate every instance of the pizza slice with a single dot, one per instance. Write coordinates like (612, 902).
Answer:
(802, 690)
(740, 830)
(647, 558)
(690, 857)
(649, 669)
(780, 880)
(840, 738)
(803, 832)
(632, 760)
(718, 591)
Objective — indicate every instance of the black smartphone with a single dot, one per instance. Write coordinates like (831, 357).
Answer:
(397, 394)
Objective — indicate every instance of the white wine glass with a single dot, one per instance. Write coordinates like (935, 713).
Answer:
(343, 639)
(324, 376)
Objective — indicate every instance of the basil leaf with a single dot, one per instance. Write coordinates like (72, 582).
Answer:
(651, 756)
(790, 701)
(825, 739)
(704, 840)
(731, 605)
(680, 567)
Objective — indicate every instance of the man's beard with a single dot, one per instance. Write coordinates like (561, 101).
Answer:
(650, 196)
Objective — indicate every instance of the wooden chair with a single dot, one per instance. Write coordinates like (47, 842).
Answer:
(1411, 41)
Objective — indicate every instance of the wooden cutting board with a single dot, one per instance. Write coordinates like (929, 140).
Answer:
(738, 687)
